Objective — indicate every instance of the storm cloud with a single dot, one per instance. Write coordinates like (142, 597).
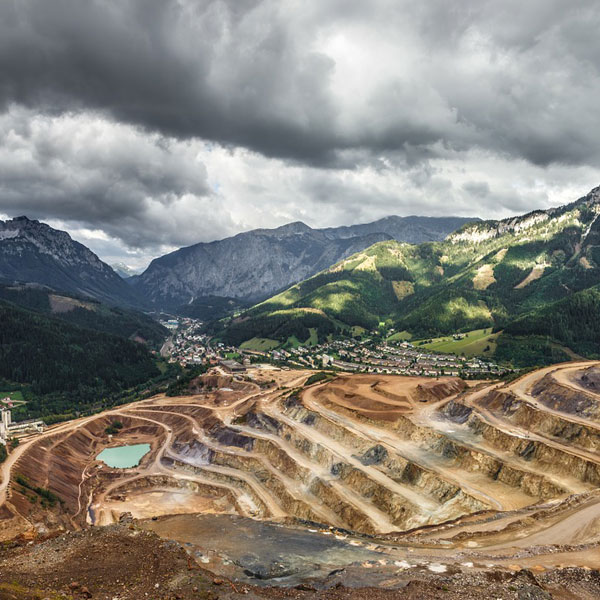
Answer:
(164, 122)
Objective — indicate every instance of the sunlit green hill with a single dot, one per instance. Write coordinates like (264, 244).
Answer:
(510, 275)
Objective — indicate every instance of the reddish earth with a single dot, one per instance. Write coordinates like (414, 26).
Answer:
(455, 485)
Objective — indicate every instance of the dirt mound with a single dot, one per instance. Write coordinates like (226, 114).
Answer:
(433, 390)
(214, 381)
(589, 379)
(113, 561)
(126, 562)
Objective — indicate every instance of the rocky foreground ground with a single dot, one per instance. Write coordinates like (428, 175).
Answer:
(126, 562)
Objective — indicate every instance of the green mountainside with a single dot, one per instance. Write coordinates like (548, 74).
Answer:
(533, 275)
(86, 313)
(64, 355)
(64, 366)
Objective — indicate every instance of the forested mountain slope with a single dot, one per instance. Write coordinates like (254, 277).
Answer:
(505, 274)
(64, 366)
(87, 313)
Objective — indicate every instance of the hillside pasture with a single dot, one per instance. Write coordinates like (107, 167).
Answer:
(472, 343)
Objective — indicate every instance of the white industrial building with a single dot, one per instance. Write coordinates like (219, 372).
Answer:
(8, 429)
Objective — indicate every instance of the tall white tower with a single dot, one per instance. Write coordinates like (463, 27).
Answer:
(4, 423)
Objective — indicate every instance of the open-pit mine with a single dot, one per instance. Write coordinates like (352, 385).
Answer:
(368, 478)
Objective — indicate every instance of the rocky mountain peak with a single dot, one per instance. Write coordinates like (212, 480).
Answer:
(593, 196)
(47, 240)
(290, 229)
(295, 227)
(34, 252)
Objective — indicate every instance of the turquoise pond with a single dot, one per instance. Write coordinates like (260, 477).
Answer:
(124, 457)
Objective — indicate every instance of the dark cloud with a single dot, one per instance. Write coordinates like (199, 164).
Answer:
(147, 190)
(513, 77)
(148, 124)
(226, 71)
(479, 189)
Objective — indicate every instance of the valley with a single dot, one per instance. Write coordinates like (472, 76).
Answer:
(384, 476)
(299, 300)
(531, 280)
(368, 354)
(368, 428)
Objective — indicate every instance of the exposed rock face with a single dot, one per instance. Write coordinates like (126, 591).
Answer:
(34, 252)
(374, 455)
(485, 230)
(256, 264)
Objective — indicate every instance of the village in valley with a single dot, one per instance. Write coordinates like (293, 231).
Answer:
(371, 353)
(188, 346)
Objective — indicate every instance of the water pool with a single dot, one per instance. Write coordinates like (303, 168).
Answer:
(124, 457)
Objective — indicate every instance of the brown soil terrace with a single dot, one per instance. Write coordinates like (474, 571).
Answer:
(421, 471)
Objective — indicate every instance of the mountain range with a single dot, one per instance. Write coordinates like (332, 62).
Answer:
(203, 280)
(537, 274)
(531, 277)
(33, 252)
(124, 271)
(254, 265)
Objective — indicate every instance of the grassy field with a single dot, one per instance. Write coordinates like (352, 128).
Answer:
(313, 340)
(356, 330)
(474, 343)
(400, 336)
(14, 396)
(259, 344)
(293, 342)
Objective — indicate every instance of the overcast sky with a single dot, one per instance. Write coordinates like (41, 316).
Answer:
(144, 125)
